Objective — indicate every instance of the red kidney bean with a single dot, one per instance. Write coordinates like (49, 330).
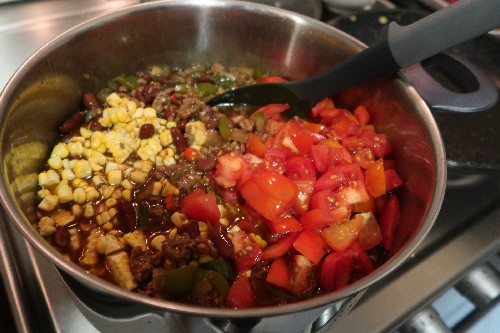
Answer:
(126, 215)
(95, 125)
(230, 196)
(171, 112)
(205, 164)
(221, 240)
(72, 122)
(178, 139)
(181, 124)
(146, 131)
(191, 228)
(147, 93)
(91, 102)
(62, 237)
(175, 100)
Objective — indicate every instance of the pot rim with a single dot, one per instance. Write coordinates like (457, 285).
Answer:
(24, 226)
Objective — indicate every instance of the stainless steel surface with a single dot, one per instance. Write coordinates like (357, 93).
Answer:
(464, 236)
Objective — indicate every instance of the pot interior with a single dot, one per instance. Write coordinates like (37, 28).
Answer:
(49, 86)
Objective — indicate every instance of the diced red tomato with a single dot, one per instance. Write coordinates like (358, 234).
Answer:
(336, 271)
(361, 261)
(284, 223)
(324, 104)
(341, 236)
(279, 274)
(323, 200)
(300, 167)
(361, 113)
(271, 79)
(326, 156)
(369, 235)
(295, 137)
(311, 245)
(337, 176)
(241, 294)
(301, 275)
(274, 159)
(229, 170)
(378, 142)
(191, 154)
(269, 193)
(272, 111)
(375, 178)
(303, 199)
(255, 146)
(316, 219)
(200, 206)
(364, 157)
(281, 246)
(247, 252)
(389, 220)
(392, 179)
(172, 202)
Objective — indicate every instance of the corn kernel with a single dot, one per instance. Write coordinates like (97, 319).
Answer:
(55, 162)
(135, 239)
(46, 226)
(106, 191)
(49, 202)
(91, 193)
(178, 218)
(172, 233)
(62, 217)
(205, 258)
(82, 169)
(61, 149)
(111, 202)
(48, 179)
(64, 193)
(127, 195)
(88, 211)
(79, 195)
(157, 242)
(67, 174)
(115, 177)
(75, 148)
(262, 243)
(138, 176)
(156, 188)
(168, 188)
(85, 132)
(166, 138)
(98, 180)
(126, 184)
(76, 210)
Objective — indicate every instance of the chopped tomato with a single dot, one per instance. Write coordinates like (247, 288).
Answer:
(300, 167)
(274, 159)
(172, 202)
(311, 245)
(301, 204)
(326, 156)
(191, 154)
(272, 111)
(392, 179)
(336, 271)
(295, 137)
(337, 176)
(389, 220)
(324, 104)
(200, 206)
(241, 294)
(316, 219)
(302, 268)
(247, 252)
(361, 113)
(375, 178)
(280, 246)
(271, 79)
(279, 274)
(341, 236)
(269, 193)
(369, 235)
(284, 223)
(361, 261)
(229, 170)
(378, 142)
(255, 146)
(364, 157)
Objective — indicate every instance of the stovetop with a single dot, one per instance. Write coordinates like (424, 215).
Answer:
(464, 242)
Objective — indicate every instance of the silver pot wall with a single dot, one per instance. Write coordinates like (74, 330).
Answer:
(49, 86)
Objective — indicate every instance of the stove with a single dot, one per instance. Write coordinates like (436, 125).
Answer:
(450, 284)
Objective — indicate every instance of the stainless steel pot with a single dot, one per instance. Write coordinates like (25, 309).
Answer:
(50, 84)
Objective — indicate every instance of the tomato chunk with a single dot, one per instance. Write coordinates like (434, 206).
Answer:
(389, 220)
(284, 223)
(392, 179)
(311, 245)
(302, 268)
(281, 246)
(247, 252)
(269, 193)
(279, 274)
(336, 271)
(255, 146)
(375, 178)
(200, 206)
(241, 294)
(341, 236)
(316, 219)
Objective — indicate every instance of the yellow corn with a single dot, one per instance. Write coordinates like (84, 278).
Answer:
(115, 177)
(157, 242)
(118, 264)
(49, 202)
(82, 169)
(49, 178)
(46, 226)
(62, 217)
(79, 195)
(135, 239)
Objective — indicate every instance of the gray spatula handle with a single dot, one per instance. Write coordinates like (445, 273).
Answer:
(450, 26)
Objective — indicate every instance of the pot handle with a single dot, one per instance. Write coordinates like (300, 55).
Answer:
(480, 93)
(441, 30)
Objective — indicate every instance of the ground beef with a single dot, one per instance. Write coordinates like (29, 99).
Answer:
(182, 249)
(141, 264)
(189, 107)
